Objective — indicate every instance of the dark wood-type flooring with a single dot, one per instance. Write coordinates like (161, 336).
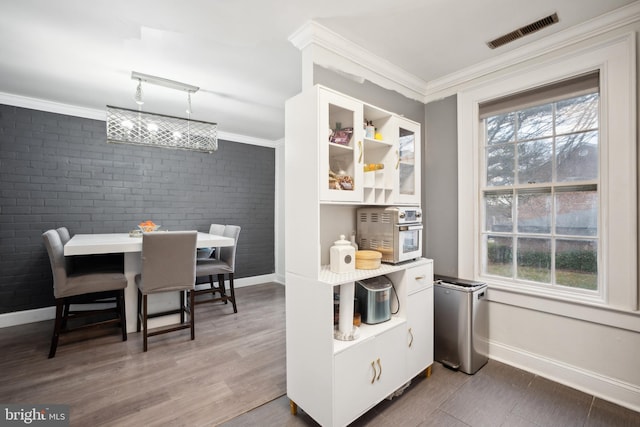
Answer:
(233, 375)
(236, 363)
(497, 395)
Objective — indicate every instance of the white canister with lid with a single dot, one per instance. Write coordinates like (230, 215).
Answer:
(342, 256)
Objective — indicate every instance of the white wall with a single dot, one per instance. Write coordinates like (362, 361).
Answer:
(593, 349)
(596, 358)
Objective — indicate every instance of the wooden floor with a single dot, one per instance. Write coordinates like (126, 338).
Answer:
(233, 375)
(497, 395)
(236, 363)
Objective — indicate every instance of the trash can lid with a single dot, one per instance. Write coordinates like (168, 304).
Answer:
(456, 281)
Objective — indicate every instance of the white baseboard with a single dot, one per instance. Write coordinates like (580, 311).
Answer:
(254, 280)
(48, 313)
(279, 279)
(27, 316)
(606, 388)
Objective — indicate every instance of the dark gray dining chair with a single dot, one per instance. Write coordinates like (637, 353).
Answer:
(168, 265)
(71, 287)
(224, 264)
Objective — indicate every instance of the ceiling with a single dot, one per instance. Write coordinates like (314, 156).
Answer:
(82, 53)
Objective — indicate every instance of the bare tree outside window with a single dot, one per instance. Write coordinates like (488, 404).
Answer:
(541, 193)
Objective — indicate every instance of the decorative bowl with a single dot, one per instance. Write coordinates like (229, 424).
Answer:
(148, 227)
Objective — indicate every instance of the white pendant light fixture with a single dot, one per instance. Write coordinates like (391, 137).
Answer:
(138, 127)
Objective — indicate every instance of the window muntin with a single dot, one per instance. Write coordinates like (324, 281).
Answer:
(540, 198)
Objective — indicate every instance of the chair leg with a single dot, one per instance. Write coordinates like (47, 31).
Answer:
(233, 293)
(214, 289)
(123, 314)
(65, 315)
(222, 287)
(144, 321)
(182, 304)
(192, 313)
(56, 328)
(139, 311)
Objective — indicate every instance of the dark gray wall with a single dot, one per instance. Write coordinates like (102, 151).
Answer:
(58, 170)
(440, 181)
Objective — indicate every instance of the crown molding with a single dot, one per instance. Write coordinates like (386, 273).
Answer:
(365, 64)
(51, 106)
(450, 84)
(92, 113)
(353, 59)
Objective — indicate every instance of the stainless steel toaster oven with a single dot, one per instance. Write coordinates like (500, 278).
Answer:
(394, 231)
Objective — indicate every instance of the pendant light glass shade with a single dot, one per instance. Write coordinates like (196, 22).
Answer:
(138, 127)
(142, 128)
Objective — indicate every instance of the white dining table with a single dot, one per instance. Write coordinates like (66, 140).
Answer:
(131, 247)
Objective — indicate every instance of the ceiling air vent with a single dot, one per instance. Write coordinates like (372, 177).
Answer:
(523, 31)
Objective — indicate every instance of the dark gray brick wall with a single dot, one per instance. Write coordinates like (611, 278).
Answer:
(58, 170)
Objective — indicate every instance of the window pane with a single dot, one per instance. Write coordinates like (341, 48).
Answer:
(534, 213)
(536, 122)
(500, 256)
(577, 156)
(534, 260)
(499, 217)
(577, 213)
(500, 128)
(577, 264)
(577, 114)
(535, 161)
(500, 165)
(541, 196)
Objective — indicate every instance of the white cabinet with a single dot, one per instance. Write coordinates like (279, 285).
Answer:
(407, 171)
(419, 318)
(341, 147)
(336, 381)
(349, 165)
(367, 373)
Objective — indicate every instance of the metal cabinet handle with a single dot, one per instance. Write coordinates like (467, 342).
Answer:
(411, 333)
(373, 365)
(380, 367)
(397, 159)
(360, 148)
(420, 278)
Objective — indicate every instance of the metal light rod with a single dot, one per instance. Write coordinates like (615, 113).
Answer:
(163, 82)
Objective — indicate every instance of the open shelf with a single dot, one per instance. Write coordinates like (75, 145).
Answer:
(331, 278)
(368, 331)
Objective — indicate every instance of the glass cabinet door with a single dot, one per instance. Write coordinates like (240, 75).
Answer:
(341, 148)
(408, 162)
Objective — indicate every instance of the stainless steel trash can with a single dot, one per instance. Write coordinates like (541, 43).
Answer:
(460, 323)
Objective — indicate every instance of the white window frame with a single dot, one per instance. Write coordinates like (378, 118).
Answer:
(552, 289)
(615, 59)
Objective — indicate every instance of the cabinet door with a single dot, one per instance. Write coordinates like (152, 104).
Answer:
(408, 161)
(419, 331)
(341, 148)
(367, 373)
